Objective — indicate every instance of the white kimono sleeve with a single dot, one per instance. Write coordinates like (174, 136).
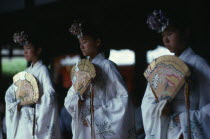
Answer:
(1, 136)
(200, 117)
(47, 111)
(71, 102)
(12, 113)
(155, 124)
(113, 119)
(71, 105)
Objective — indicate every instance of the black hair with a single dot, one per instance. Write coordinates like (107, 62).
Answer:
(93, 30)
(37, 38)
(180, 20)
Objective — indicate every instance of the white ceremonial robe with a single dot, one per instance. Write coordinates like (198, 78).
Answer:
(19, 123)
(1, 129)
(158, 126)
(113, 111)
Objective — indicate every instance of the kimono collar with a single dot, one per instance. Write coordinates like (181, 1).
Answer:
(185, 55)
(37, 64)
(98, 58)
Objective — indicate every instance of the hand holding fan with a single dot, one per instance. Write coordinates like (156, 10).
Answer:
(26, 88)
(166, 75)
(81, 75)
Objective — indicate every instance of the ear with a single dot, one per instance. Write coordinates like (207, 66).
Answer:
(98, 43)
(187, 35)
(39, 51)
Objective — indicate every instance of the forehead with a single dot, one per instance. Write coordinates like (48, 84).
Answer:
(170, 29)
(85, 37)
(28, 45)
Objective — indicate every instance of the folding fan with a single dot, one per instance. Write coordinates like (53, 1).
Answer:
(26, 88)
(81, 75)
(166, 75)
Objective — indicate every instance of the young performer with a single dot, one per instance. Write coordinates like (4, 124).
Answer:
(39, 120)
(113, 112)
(169, 121)
(1, 135)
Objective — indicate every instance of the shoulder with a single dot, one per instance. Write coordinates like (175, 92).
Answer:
(200, 64)
(44, 72)
(109, 64)
(198, 61)
(111, 69)
(194, 60)
(44, 69)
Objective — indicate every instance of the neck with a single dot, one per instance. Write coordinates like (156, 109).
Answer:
(93, 56)
(34, 61)
(179, 52)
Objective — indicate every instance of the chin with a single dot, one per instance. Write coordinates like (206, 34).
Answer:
(171, 50)
(26, 59)
(85, 54)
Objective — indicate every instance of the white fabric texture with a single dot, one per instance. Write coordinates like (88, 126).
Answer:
(20, 123)
(1, 129)
(114, 113)
(157, 128)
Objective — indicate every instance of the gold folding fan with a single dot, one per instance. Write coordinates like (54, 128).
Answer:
(166, 75)
(26, 88)
(81, 75)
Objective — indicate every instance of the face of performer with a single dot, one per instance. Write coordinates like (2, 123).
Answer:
(173, 40)
(89, 46)
(31, 53)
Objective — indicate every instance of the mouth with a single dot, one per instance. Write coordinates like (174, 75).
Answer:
(84, 53)
(26, 56)
(170, 48)
(167, 46)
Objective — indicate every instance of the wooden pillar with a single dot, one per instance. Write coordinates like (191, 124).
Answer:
(199, 13)
(0, 63)
(140, 81)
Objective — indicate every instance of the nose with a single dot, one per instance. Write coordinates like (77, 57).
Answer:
(25, 52)
(81, 46)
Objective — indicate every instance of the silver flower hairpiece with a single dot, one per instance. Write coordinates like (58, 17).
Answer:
(157, 21)
(76, 29)
(20, 38)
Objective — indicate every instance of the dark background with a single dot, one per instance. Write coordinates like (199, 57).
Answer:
(121, 22)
